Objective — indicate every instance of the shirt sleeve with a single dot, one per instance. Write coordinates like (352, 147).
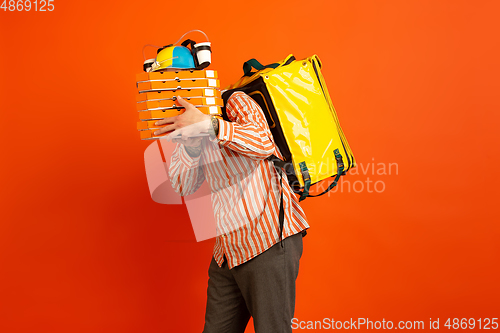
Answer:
(185, 172)
(248, 132)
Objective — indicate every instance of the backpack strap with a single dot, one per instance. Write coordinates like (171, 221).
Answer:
(279, 165)
(253, 63)
(307, 180)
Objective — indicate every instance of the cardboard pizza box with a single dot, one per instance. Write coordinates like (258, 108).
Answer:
(177, 84)
(147, 124)
(168, 103)
(175, 75)
(166, 113)
(170, 94)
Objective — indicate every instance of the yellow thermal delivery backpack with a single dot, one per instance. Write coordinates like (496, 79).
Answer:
(305, 127)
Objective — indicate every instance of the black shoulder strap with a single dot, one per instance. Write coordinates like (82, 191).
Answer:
(279, 165)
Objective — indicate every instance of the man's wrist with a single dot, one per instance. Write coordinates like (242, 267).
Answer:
(214, 127)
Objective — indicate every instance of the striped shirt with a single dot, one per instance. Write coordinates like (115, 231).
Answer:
(244, 184)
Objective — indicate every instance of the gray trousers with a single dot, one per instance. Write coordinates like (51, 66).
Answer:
(262, 288)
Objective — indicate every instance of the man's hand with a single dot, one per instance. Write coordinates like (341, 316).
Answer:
(187, 124)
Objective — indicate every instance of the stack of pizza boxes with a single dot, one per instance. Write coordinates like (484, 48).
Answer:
(158, 92)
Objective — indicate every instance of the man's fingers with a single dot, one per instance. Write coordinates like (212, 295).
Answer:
(181, 133)
(174, 135)
(165, 129)
(184, 103)
(168, 120)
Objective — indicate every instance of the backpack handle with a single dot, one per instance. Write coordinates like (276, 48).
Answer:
(253, 63)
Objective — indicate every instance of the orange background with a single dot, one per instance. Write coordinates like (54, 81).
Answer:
(83, 248)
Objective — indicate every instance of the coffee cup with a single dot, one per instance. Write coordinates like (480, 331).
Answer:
(203, 53)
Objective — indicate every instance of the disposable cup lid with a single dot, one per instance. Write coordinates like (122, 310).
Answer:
(202, 44)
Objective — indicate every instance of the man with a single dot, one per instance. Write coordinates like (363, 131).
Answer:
(255, 263)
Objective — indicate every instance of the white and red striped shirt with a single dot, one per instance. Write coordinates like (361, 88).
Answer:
(244, 184)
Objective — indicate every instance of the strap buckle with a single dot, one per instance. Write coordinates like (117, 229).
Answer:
(305, 175)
